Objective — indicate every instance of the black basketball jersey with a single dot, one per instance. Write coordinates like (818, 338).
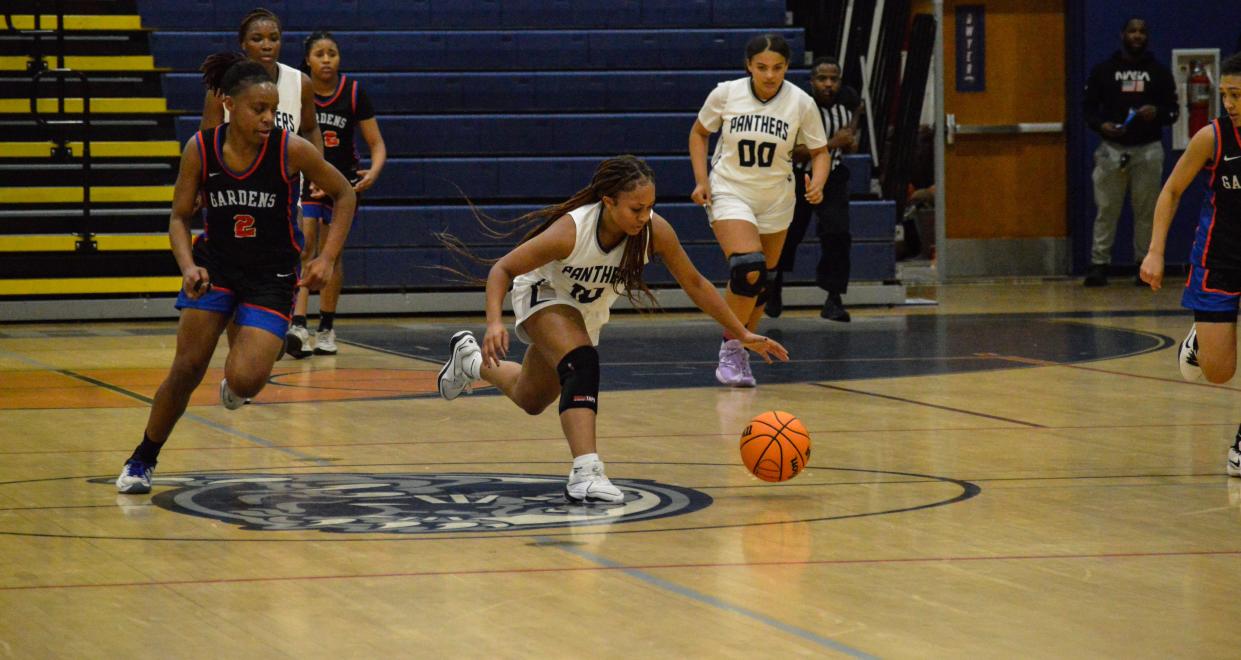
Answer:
(338, 117)
(1218, 240)
(250, 217)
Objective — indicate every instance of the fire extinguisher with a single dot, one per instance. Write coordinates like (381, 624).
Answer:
(1198, 98)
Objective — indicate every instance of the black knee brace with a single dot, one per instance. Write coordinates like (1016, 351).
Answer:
(579, 379)
(740, 267)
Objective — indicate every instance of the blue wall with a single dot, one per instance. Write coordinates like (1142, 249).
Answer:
(1093, 35)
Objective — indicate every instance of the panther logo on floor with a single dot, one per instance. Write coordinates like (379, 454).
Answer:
(412, 503)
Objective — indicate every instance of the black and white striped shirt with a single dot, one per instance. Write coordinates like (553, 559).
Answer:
(835, 117)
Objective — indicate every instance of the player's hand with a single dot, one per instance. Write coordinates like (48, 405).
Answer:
(1112, 130)
(195, 282)
(702, 194)
(765, 347)
(365, 182)
(316, 273)
(495, 344)
(316, 192)
(1152, 270)
(813, 195)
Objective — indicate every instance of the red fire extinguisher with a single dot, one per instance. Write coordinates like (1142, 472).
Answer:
(1198, 98)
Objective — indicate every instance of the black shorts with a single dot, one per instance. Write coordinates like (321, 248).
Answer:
(257, 296)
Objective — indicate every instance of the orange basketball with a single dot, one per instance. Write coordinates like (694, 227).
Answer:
(775, 446)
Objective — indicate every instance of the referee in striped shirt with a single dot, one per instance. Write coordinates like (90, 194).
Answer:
(837, 105)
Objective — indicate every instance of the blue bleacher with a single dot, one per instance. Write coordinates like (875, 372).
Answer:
(308, 15)
(513, 92)
(512, 104)
(496, 50)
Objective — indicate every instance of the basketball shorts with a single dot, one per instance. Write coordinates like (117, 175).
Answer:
(1212, 293)
(321, 210)
(533, 296)
(255, 296)
(769, 210)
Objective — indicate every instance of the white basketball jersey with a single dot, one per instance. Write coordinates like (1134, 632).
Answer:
(587, 276)
(755, 148)
(289, 110)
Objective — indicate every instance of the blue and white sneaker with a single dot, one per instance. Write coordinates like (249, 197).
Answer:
(462, 367)
(135, 477)
(1187, 356)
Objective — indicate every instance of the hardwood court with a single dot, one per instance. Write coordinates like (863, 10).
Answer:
(1016, 472)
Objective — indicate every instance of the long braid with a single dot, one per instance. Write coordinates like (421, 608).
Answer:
(612, 177)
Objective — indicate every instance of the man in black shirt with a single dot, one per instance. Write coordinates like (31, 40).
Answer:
(1129, 98)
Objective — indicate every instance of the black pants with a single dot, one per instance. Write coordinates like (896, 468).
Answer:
(835, 241)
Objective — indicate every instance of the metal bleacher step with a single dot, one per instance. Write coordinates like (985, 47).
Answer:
(98, 149)
(85, 62)
(109, 128)
(73, 194)
(102, 173)
(68, 218)
(97, 105)
(79, 23)
(68, 243)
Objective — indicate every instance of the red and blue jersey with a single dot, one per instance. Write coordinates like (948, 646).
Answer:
(250, 217)
(1217, 243)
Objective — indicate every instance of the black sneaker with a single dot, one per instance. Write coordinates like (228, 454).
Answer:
(775, 301)
(1096, 276)
(834, 310)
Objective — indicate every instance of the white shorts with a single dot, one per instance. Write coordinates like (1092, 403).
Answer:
(528, 299)
(772, 213)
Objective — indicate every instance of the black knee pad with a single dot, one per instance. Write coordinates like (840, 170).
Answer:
(765, 294)
(579, 379)
(740, 267)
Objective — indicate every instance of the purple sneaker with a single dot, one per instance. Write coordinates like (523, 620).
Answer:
(734, 369)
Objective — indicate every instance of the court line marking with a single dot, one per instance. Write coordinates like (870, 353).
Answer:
(705, 599)
(249, 437)
(1171, 554)
(926, 404)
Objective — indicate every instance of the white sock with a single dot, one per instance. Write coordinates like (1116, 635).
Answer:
(585, 459)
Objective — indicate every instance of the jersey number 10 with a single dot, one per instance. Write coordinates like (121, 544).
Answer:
(748, 155)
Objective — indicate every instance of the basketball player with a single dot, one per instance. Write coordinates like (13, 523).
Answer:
(260, 38)
(749, 194)
(565, 276)
(341, 106)
(244, 266)
(1214, 284)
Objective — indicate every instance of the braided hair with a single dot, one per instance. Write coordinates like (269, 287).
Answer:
(613, 177)
(228, 73)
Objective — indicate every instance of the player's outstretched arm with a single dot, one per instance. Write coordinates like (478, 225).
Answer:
(1201, 150)
(703, 293)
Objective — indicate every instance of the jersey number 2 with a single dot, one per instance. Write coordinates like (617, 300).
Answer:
(748, 153)
(243, 226)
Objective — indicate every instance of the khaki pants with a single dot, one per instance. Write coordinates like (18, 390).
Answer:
(1142, 174)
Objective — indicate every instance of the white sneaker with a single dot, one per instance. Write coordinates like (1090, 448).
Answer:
(462, 367)
(325, 342)
(734, 367)
(1187, 356)
(228, 399)
(297, 342)
(589, 484)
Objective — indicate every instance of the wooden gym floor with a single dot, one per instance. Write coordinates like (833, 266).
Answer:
(1017, 471)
